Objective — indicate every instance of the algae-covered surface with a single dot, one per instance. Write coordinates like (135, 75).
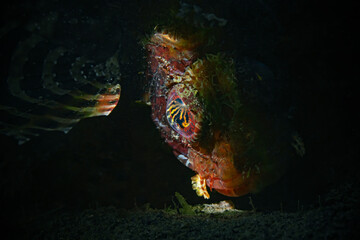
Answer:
(115, 178)
(336, 218)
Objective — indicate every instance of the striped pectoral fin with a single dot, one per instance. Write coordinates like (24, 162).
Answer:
(180, 117)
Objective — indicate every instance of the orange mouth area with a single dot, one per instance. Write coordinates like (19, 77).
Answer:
(219, 171)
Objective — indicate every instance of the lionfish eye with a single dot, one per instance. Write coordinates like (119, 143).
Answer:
(179, 116)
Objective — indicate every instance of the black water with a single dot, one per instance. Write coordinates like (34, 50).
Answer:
(121, 160)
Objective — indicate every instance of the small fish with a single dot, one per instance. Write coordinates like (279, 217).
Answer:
(57, 74)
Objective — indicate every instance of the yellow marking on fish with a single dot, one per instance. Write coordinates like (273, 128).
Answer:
(185, 123)
(169, 108)
(177, 110)
(172, 112)
(182, 113)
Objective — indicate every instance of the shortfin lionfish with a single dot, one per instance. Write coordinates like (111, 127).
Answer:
(216, 107)
(217, 111)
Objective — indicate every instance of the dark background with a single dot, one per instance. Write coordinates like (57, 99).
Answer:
(120, 160)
